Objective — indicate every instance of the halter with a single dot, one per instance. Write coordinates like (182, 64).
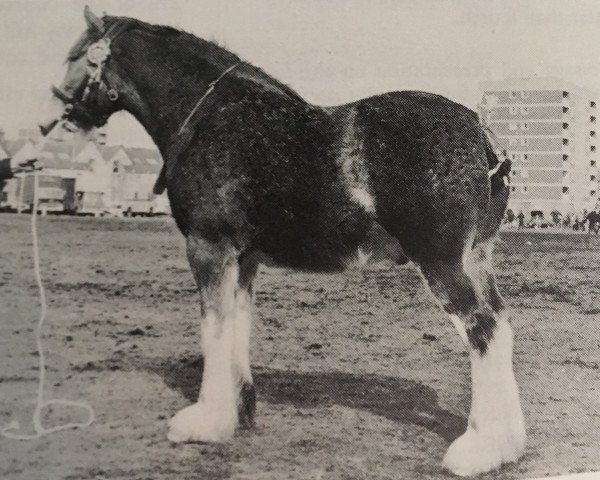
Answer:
(97, 54)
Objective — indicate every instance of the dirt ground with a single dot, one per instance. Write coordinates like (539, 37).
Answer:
(359, 376)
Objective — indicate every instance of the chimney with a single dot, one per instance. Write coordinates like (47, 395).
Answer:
(2, 137)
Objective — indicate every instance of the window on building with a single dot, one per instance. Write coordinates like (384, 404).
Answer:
(116, 166)
(514, 173)
(565, 126)
(565, 190)
(592, 193)
(525, 157)
(565, 109)
(592, 148)
(524, 188)
(513, 110)
(524, 110)
(513, 189)
(592, 133)
(593, 104)
(565, 94)
(135, 196)
(592, 178)
(565, 157)
(513, 94)
(565, 141)
(524, 142)
(524, 126)
(592, 163)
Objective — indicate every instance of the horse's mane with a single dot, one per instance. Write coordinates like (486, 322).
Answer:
(187, 46)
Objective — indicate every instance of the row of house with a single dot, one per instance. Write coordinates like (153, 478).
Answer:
(549, 129)
(87, 176)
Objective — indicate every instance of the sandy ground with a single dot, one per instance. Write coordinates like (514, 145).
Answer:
(359, 375)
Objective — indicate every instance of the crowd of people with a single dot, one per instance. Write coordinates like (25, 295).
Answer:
(583, 222)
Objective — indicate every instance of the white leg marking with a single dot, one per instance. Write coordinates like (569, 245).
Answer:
(460, 328)
(214, 417)
(241, 338)
(496, 430)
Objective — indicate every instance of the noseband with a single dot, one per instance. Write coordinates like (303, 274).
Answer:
(97, 55)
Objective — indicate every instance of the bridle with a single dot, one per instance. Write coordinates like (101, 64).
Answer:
(78, 106)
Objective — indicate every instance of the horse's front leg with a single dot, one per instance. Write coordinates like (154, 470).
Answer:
(225, 317)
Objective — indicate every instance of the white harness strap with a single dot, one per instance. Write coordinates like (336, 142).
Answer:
(210, 88)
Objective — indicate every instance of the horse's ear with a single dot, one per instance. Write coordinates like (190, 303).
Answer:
(94, 22)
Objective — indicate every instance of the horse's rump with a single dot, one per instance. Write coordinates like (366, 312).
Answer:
(428, 165)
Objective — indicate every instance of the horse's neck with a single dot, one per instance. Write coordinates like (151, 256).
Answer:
(162, 100)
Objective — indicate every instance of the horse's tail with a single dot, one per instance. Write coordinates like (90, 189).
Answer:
(500, 168)
(499, 189)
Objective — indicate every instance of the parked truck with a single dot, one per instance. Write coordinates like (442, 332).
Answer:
(52, 193)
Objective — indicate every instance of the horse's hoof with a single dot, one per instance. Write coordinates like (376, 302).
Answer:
(198, 423)
(478, 452)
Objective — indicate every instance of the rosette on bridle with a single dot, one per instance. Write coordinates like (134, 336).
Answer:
(95, 92)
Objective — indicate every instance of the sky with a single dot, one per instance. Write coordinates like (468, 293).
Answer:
(330, 51)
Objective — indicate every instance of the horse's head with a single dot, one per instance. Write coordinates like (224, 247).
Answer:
(92, 88)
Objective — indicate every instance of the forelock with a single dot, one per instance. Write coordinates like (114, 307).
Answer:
(88, 37)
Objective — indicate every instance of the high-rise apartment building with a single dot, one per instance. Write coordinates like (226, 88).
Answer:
(550, 131)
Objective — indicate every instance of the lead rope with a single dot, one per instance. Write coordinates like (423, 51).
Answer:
(41, 403)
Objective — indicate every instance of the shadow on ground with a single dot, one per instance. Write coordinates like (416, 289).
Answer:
(397, 399)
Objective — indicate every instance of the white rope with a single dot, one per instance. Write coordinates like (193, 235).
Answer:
(41, 403)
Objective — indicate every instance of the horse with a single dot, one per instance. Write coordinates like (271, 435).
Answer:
(593, 219)
(255, 175)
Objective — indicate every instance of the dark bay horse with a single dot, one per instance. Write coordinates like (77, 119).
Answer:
(253, 172)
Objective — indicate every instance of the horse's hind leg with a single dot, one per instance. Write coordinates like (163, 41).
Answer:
(495, 434)
(224, 344)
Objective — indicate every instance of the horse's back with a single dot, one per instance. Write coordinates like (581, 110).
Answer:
(428, 160)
